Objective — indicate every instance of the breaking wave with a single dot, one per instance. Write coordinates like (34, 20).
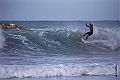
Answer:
(47, 70)
(111, 35)
(59, 51)
(2, 39)
(52, 38)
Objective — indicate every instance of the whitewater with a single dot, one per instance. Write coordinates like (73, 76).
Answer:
(2, 39)
(55, 49)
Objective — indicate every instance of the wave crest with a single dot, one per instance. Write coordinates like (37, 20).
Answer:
(46, 38)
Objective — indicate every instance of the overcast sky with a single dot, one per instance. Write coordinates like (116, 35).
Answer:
(119, 9)
(59, 9)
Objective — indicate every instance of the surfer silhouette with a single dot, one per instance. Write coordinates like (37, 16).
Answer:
(90, 26)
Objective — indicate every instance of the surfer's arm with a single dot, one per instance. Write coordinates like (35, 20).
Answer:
(87, 25)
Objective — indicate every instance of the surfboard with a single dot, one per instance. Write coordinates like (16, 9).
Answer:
(82, 40)
(93, 41)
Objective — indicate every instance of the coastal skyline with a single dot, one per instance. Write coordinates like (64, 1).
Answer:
(58, 10)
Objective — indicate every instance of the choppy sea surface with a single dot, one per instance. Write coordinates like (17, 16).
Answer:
(54, 49)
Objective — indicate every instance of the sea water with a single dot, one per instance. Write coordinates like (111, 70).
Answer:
(2, 39)
(54, 50)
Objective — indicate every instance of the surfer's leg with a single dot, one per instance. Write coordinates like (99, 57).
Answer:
(86, 33)
(86, 37)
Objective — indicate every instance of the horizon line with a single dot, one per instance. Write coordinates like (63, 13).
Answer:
(59, 20)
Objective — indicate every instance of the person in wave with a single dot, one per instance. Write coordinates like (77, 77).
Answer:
(90, 26)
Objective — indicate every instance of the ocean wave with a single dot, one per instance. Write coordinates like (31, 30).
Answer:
(53, 38)
(73, 37)
(2, 39)
(48, 70)
(112, 35)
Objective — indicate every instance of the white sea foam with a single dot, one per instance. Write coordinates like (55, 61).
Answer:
(46, 70)
(112, 36)
(2, 39)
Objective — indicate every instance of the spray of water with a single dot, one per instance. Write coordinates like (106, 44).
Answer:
(2, 39)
